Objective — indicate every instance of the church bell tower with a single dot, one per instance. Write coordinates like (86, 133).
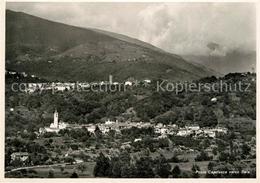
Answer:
(56, 119)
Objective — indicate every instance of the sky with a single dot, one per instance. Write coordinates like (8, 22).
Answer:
(180, 28)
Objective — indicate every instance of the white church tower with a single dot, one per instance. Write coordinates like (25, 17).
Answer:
(56, 119)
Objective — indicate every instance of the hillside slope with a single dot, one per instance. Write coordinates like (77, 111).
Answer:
(56, 51)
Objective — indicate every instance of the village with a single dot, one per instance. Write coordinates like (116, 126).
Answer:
(61, 137)
(76, 154)
(163, 131)
(32, 87)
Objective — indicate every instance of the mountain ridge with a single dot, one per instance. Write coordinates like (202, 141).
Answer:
(55, 50)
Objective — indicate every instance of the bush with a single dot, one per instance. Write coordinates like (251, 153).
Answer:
(176, 171)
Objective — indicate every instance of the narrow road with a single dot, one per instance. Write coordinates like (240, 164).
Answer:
(37, 166)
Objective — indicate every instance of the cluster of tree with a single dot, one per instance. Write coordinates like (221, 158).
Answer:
(124, 166)
(81, 134)
(135, 132)
(151, 144)
(187, 141)
(203, 156)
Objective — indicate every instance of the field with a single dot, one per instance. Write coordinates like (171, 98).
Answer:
(41, 172)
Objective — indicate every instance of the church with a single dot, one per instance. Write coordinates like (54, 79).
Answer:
(56, 126)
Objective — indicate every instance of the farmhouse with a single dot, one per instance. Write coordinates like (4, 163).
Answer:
(22, 156)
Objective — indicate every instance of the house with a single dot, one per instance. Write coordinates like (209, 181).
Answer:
(214, 100)
(210, 132)
(137, 140)
(184, 132)
(84, 85)
(147, 81)
(24, 74)
(128, 83)
(104, 129)
(22, 156)
(109, 122)
(91, 128)
(193, 127)
(11, 72)
(221, 130)
(115, 83)
(163, 130)
(78, 160)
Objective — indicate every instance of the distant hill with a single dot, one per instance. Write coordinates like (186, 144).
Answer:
(56, 51)
(233, 61)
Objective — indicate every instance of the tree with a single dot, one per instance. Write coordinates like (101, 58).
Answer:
(102, 167)
(62, 168)
(163, 168)
(167, 118)
(176, 171)
(116, 166)
(144, 168)
(211, 165)
(195, 168)
(51, 173)
(164, 142)
(245, 150)
(128, 171)
(203, 156)
(69, 159)
(111, 133)
(16, 163)
(98, 132)
(208, 118)
(223, 156)
(215, 151)
(74, 175)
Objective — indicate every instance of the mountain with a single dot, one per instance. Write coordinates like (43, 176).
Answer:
(57, 51)
(233, 61)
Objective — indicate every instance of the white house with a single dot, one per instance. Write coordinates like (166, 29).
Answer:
(193, 127)
(115, 83)
(137, 140)
(184, 132)
(22, 156)
(221, 130)
(104, 128)
(214, 99)
(210, 132)
(91, 128)
(148, 81)
(128, 83)
(109, 122)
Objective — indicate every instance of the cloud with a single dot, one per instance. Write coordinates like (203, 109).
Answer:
(181, 28)
(216, 49)
(189, 28)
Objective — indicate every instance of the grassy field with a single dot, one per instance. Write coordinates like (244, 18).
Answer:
(188, 165)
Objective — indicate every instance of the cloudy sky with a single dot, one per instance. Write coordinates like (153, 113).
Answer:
(181, 28)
